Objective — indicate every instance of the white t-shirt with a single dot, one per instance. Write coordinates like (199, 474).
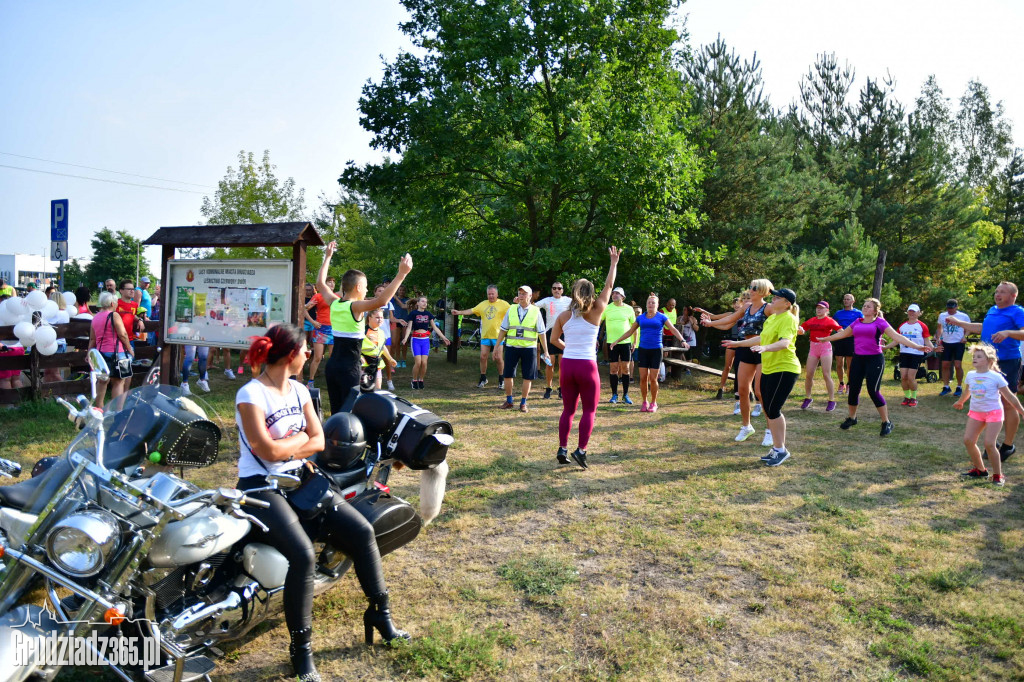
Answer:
(284, 417)
(950, 333)
(984, 388)
(916, 332)
(385, 325)
(553, 307)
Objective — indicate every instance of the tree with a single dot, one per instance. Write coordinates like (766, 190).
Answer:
(74, 276)
(114, 257)
(252, 195)
(531, 135)
(983, 136)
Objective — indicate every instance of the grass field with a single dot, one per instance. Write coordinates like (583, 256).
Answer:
(677, 555)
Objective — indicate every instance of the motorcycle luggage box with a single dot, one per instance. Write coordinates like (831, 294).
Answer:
(413, 428)
(395, 522)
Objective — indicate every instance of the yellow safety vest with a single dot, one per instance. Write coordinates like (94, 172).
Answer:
(343, 322)
(522, 334)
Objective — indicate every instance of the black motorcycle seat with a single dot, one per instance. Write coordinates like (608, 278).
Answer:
(344, 479)
(41, 488)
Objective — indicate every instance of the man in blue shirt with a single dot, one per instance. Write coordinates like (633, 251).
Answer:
(843, 348)
(1003, 327)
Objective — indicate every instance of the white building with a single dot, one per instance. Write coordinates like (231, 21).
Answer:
(18, 269)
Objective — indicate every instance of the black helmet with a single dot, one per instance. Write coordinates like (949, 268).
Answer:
(345, 441)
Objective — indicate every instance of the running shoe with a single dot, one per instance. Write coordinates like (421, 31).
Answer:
(975, 473)
(998, 479)
(830, 406)
(204, 385)
(626, 399)
(768, 456)
(501, 384)
(912, 403)
(1006, 451)
(483, 382)
(736, 409)
(848, 422)
(780, 457)
(718, 396)
(547, 396)
(614, 399)
(841, 390)
(757, 411)
(806, 403)
(413, 384)
(524, 407)
(767, 438)
(886, 428)
(391, 385)
(506, 405)
(906, 402)
(644, 407)
(580, 457)
(185, 390)
(653, 407)
(946, 390)
(746, 432)
(229, 374)
(559, 392)
(958, 392)
(562, 456)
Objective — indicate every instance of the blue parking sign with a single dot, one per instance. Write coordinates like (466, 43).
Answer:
(59, 220)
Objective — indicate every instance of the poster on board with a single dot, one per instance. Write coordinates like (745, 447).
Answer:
(223, 303)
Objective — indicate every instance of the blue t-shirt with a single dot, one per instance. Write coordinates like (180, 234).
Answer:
(847, 317)
(650, 329)
(998, 320)
(147, 303)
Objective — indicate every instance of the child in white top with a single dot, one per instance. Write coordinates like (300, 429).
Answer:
(984, 386)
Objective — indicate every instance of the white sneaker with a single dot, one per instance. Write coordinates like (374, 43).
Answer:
(757, 410)
(391, 385)
(185, 390)
(745, 433)
(767, 439)
(736, 410)
(204, 385)
(229, 374)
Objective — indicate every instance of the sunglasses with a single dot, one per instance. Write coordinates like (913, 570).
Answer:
(556, 288)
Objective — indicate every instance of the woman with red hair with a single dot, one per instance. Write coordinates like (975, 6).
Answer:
(277, 431)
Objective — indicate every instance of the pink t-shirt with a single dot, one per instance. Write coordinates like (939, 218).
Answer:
(105, 333)
(866, 336)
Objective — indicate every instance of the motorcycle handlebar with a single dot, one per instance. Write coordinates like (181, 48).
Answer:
(253, 502)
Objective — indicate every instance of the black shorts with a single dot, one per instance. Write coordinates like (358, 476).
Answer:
(648, 358)
(552, 348)
(515, 355)
(744, 354)
(1011, 370)
(619, 353)
(953, 351)
(910, 361)
(843, 348)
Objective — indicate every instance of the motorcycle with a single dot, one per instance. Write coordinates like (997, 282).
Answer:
(144, 556)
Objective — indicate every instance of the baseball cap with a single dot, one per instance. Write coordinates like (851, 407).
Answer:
(823, 304)
(144, 280)
(913, 308)
(787, 294)
(619, 291)
(951, 303)
(528, 290)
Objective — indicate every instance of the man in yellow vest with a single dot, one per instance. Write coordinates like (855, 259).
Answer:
(522, 327)
(6, 289)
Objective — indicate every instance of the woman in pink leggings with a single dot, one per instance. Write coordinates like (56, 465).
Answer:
(575, 331)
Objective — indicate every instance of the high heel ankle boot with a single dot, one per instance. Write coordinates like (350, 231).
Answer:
(300, 650)
(378, 615)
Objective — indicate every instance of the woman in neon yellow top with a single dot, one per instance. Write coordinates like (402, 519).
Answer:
(374, 350)
(779, 366)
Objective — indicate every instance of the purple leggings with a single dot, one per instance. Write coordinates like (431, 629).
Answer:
(580, 382)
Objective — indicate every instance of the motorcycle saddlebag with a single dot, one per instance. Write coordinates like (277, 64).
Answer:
(395, 522)
(412, 439)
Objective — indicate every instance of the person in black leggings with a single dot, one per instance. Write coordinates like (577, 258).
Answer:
(278, 429)
(868, 363)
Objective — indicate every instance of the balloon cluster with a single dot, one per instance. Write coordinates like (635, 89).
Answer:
(18, 312)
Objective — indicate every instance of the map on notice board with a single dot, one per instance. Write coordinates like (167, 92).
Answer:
(225, 302)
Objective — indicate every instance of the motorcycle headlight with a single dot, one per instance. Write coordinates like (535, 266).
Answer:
(80, 544)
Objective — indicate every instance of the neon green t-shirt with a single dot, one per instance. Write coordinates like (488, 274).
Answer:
(617, 320)
(780, 326)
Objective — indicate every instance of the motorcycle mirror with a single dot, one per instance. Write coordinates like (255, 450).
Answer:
(284, 481)
(99, 369)
(82, 401)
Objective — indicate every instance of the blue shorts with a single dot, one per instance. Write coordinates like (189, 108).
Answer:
(420, 346)
(490, 342)
(307, 326)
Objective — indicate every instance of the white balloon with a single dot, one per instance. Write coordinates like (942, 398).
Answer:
(15, 307)
(47, 350)
(5, 318)
(62, 317)
(24, 331)
(35, 300)
(45, 336)
(50, 310)
(69, 299)
(83, 316)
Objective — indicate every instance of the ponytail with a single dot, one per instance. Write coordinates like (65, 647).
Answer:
(279, 343)
(583, 297)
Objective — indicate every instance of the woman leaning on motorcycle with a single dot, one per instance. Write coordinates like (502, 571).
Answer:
(278, 429)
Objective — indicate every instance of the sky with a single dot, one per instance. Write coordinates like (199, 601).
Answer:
(173, 91)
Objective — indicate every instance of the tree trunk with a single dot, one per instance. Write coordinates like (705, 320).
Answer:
(876, 289)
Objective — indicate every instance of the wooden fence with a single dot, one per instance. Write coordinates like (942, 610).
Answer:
(33, 364)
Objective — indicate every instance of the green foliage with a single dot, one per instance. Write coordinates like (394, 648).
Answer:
(539, 576)
(253, 194)
(114, 257)
(531, 137)
(953, 580)
(454, 654)
(74, 276)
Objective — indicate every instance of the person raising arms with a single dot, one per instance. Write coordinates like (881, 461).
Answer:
(491, 312)
(950, 339)
(421, 321)
(910, 359)
(348, 323)
(651, 324)
(817, 327)
(731, 362)
(843, 349)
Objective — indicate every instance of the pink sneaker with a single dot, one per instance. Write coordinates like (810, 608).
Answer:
(644, 407)
(653, 407)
